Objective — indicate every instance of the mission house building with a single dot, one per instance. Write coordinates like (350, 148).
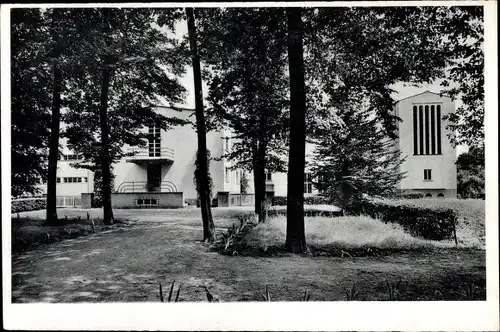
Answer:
(161, 174)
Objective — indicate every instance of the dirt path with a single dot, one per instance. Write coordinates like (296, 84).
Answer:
(126, 264)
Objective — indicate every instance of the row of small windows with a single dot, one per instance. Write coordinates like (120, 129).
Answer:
(427, 130)
(146, 202)
(71, 156)
(71, 179)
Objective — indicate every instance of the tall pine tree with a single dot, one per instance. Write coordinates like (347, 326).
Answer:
(353, 156)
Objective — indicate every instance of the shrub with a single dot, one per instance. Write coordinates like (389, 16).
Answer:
(428, 222)
(308, 200)
(412, 196)
(278, 200)
(190, 201)
(316, 200)
(31, 204)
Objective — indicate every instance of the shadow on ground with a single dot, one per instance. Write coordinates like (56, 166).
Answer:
(126, 265)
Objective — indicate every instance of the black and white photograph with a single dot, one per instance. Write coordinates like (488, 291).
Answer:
(242, 159)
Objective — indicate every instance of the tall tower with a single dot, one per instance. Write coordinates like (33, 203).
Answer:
(423, 138)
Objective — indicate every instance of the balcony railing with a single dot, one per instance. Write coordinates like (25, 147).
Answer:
(143, 187)
(142, 155)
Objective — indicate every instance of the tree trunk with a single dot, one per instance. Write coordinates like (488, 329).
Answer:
(206, 212)
(258, 200)
(345, 188)
(295, 232)
(51, 217)
(105, 162)
(103, 118)
(259, 181)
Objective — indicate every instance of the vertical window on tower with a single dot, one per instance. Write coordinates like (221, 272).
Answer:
(438, 118)
(307, 183)
(154, 143)
(415, 130)
(427, 174)
(228, 175)
(427, 151)
(421, 128)
(433, 130)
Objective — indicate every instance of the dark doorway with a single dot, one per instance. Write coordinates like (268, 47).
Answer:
(154, 177)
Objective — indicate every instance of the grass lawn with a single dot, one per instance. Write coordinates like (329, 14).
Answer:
(125, 264)
(345, 233)
(29, 232)
(362, 233)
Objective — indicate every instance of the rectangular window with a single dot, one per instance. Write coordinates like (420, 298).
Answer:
(415, 130)
(228, 175)
(79, 179)
(427, 129)
(438, 133)
(433, 130)
(86, 179)
(269, 176)
(427, 174)
(154, 140)
(307, 183)
(227, 146)
(58, 180)
(65, 180)
(421, 128)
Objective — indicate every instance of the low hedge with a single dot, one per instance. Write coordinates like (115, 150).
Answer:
(308, 200)
(412, 196)
(431, 222)
(22, 205)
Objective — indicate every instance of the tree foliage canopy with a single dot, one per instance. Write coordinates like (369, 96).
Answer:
(145, 63)
(464, 31)
(244, 52)
(31, 83)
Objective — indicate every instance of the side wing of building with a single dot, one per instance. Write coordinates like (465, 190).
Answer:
(423, 138)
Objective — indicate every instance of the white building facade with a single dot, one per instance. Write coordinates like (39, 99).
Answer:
(167, 163)
(423, 138)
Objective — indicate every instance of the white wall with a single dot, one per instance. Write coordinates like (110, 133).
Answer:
(444, 174)
(232, 182)
(64, 169)
(183, 140)
(279, 180)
